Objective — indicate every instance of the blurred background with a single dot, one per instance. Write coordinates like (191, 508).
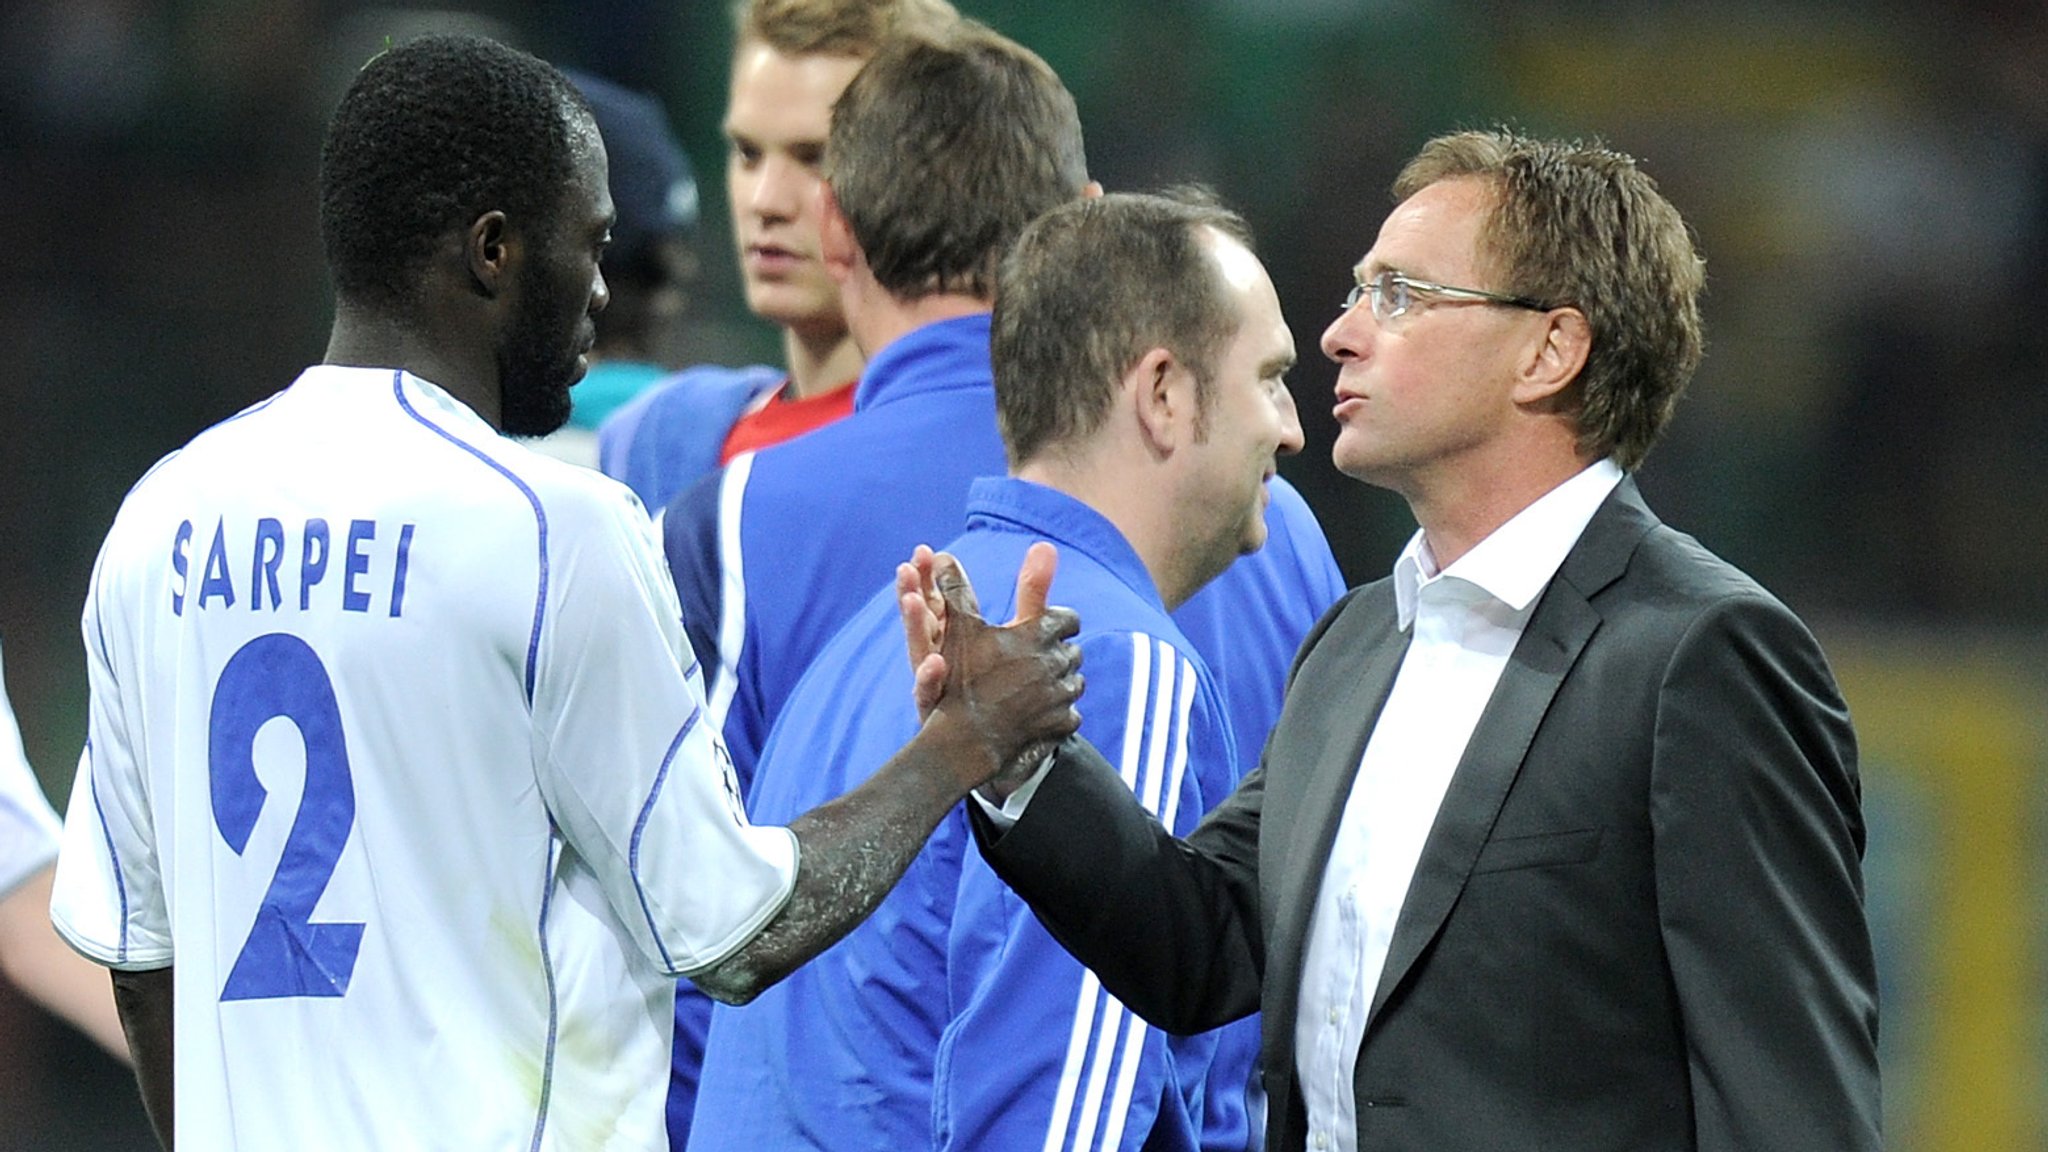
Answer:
(1868, 181)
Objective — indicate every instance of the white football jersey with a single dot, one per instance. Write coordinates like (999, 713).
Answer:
(28, 825)
(394, 754)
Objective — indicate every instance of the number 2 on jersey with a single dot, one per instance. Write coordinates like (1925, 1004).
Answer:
(286, 954)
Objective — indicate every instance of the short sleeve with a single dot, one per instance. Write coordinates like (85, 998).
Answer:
(109, 900)
(632, 771)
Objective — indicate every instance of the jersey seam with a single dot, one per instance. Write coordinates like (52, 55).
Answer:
(547, 967)
(540, 517)
(114, 857)
(640, 827)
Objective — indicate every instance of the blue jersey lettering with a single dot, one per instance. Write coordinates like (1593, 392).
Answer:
(268, 543)
(263, 572)
(398, 576)
(180, 544)
(312, 568)
(216, 582)
(355, 564)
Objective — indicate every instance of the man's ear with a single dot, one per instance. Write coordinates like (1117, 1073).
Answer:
(1556, 361)
(487, 248)
(836, 245)
(1161, 393)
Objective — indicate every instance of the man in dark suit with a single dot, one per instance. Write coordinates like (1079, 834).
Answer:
(1557, 844)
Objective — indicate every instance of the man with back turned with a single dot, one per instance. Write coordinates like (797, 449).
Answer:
(398, 794)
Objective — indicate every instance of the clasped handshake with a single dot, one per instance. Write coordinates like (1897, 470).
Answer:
(1011, 690)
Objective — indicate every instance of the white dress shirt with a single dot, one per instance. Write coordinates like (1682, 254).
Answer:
(1467, 619)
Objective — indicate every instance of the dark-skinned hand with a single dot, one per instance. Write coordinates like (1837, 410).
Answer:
(1015, 685)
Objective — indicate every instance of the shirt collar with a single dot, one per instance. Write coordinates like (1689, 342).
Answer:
(352, 380)
(942, 355)
(1014, 505)
(1516, 562)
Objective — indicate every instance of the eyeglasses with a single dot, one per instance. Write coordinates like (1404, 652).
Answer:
(1393, 295)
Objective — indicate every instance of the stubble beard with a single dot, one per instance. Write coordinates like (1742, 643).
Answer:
(534, 373)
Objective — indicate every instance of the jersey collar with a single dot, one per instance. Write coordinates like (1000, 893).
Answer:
(1009, 504)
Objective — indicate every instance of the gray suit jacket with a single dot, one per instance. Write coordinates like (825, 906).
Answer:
(1636, 925)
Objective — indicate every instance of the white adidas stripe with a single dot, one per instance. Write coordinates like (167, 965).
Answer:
(732, 597)
(1070, 1069)
(1153, 763)
(1180, 745)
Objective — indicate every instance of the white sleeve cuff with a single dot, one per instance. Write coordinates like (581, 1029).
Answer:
(1013, 806)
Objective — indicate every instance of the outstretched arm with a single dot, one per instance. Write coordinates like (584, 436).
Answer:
(1170, 925)
(1005, 690)
(39, 963)
(1026, 1060)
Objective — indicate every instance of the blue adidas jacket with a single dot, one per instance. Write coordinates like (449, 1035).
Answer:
(775, 552)
(950, 1019)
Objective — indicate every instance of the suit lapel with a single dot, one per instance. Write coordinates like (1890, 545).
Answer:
(1562, 624)
(1361, 694)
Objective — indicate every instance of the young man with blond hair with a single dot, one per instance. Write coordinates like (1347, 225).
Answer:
(791, 60)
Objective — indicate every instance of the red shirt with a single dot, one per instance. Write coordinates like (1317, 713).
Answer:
(781, 418)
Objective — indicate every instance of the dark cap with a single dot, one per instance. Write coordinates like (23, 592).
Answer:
(653, 188)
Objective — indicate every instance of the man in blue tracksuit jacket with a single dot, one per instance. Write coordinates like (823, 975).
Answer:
(951, 1019)
(773, 556)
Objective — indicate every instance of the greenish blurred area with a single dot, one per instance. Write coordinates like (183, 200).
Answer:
(1868, 181)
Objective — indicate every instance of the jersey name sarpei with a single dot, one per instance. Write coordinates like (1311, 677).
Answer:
(370, 576)
(397, 754)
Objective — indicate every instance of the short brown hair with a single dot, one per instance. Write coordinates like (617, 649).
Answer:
(942, 149)
(1092, 286)
(856, 28)
(1579, 224)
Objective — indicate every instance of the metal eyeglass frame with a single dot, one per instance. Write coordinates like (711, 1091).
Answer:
(1392, 295)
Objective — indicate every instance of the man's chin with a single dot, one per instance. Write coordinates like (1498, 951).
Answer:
(535, 418)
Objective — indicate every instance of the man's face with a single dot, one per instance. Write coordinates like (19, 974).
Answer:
(776, 123)
(1423, 393)
(558, 294)
(1251, 418)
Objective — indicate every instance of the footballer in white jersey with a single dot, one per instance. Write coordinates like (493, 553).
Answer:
(394, 754)
(399, 812)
